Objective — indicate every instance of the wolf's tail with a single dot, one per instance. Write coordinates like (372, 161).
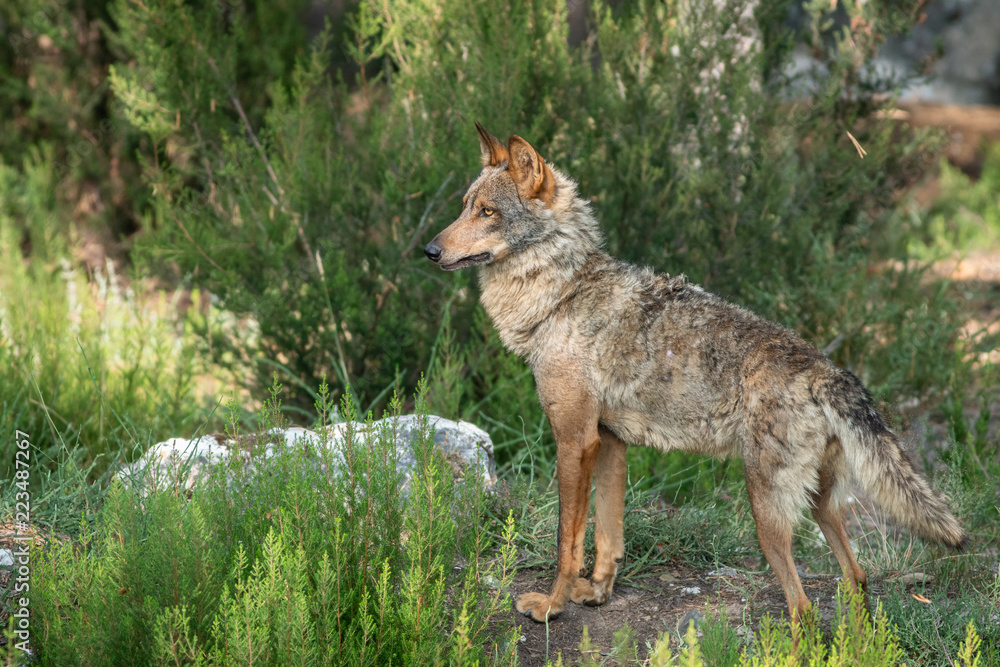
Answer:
(882, 467)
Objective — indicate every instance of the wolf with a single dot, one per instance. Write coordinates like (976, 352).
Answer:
(624, 356)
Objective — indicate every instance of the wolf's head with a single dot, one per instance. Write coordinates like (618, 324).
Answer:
(504, 210)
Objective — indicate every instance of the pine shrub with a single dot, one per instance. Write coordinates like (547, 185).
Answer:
(292, 564)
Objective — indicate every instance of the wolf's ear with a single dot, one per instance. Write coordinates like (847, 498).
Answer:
(531, 175)
(494, 152)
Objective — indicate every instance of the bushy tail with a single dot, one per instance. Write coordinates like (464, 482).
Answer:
(882, 467)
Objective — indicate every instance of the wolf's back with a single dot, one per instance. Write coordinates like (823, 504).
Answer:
(882, 467)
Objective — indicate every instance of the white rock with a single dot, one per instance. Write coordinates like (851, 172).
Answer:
(6, 558)
(185, 463)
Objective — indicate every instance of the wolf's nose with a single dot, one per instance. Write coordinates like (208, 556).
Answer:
(433, 251)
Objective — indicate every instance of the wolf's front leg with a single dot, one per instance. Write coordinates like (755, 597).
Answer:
(609, 475)
(578, 446)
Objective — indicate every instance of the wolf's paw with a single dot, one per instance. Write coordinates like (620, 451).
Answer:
(583, 592)
(590, 594)
(538, 606)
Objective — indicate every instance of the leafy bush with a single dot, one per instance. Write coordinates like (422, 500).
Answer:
(290, 564)
(55, 98)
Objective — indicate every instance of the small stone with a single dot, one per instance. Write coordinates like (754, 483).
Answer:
(6, 558)
(693, 617)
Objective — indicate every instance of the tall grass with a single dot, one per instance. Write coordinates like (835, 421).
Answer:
(91, 366)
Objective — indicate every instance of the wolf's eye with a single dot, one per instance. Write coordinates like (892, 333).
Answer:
(487, 211)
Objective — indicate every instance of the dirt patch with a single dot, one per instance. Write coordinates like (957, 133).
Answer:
(664, 602)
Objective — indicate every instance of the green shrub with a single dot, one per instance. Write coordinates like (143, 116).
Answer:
(938, 628)
(95, 365)
(55, 97)
(290, 564)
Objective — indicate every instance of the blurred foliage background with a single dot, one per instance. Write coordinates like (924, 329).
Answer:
(195, 196)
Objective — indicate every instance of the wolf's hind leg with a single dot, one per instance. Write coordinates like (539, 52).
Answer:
(830, 517)
(774, 531)
(609, 473)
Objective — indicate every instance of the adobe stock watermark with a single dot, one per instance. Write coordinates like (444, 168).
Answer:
(19, 558)
(31, 26)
